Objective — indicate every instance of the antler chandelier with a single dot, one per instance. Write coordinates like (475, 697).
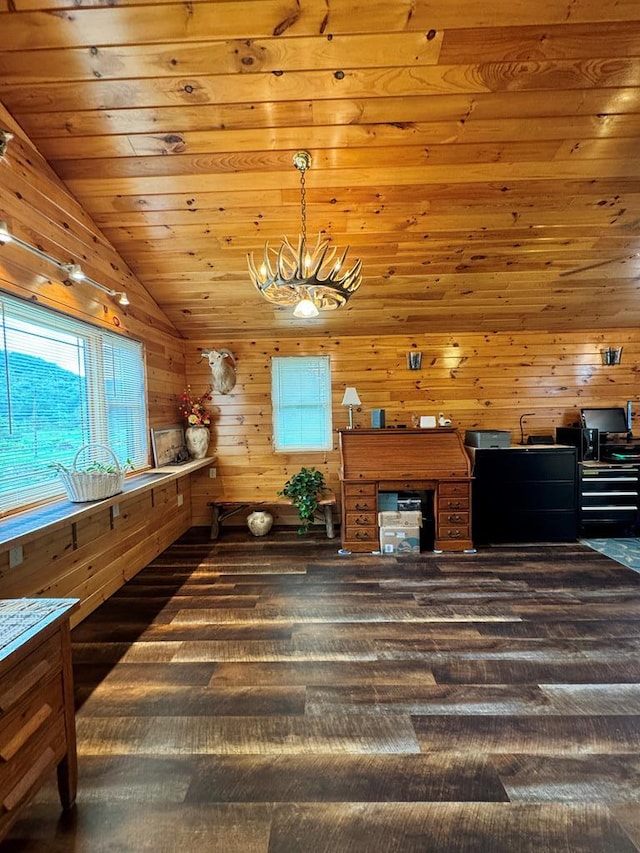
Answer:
(312, 280)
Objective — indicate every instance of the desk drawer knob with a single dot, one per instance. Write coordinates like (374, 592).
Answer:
(454, 534)
(361, 534)
(454, 518)
(453, 504)
(360, 506)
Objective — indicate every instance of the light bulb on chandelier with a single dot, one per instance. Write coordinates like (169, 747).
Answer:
(312, 280)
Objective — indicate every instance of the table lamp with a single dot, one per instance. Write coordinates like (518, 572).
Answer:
(350, 399)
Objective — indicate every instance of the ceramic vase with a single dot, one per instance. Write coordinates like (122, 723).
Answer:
(197, 439)
(259, 522)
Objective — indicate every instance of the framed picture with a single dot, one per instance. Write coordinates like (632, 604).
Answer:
(169, 447)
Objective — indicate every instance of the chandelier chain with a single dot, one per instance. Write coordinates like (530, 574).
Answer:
(303, 206)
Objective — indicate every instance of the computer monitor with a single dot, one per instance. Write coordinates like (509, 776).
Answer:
(612, 419)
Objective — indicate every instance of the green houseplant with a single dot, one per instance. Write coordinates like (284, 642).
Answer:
(303, 490)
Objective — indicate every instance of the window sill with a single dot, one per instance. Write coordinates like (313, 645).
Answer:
(16, 529)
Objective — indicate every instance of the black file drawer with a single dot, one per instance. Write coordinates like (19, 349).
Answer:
(525, 494)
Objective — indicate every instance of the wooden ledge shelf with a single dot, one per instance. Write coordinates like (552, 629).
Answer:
(16, 529)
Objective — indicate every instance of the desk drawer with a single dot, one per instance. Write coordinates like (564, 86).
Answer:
(452, 503)
(353, 536)
(460, 490)
(32, 741)
(453, 532)
(363, 503)
(26, 675)
(355, 490)
(454, 518)
(356, 520)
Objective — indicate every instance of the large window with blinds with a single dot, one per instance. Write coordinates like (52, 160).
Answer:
(64, 384)
(301, 403)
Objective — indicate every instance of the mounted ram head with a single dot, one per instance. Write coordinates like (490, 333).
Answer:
(223, 369)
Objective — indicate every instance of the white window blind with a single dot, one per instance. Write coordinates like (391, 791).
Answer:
(63, 384)
(301, 403)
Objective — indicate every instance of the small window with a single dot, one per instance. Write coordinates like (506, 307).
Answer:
(301, 399)
(63, 384)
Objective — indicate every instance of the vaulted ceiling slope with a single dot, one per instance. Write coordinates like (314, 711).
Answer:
(482, 159)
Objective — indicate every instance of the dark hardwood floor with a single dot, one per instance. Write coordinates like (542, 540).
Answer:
(271, 696)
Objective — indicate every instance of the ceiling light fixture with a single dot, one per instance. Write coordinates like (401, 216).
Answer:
(73, 272)
(311, 280)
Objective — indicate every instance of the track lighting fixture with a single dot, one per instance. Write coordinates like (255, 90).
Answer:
(73, 272)
(5, 138)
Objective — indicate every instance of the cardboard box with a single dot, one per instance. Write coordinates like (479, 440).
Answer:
(400, 519)
(400, 532)
(400, 540)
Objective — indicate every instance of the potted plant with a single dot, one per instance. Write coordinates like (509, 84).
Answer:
(303, 490)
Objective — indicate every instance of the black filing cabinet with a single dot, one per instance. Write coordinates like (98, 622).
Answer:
(525, 494)
(609, 499)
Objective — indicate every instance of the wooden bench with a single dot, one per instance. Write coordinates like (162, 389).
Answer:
(223, 508)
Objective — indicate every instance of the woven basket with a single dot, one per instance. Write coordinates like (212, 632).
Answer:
(92, 485)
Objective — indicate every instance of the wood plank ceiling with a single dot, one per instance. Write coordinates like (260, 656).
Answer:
(481, 159)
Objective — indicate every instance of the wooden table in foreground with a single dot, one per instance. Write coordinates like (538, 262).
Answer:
(37, 719)
(392, 460)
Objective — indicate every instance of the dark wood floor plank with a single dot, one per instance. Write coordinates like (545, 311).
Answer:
(450, 827)
(533, 672)
(346, 778)
(549, 735)
(426, 698)
(322, 672)
(596, 699)
(169, 700)
(273, 735)
(271, 695)
(591, 779)
(135, 827)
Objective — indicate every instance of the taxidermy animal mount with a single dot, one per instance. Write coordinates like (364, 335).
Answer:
(223, 369)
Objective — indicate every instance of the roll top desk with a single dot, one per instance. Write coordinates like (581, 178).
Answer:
(392, 460)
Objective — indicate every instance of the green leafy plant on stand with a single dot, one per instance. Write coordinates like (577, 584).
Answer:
(303, 490)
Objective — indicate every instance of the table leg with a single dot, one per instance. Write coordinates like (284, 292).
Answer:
(328, 521)
(215, 522)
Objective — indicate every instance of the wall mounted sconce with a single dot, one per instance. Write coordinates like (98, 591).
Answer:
(414, 360)
(350, 399)
(72, 272)
(5, 139)
(611, 355)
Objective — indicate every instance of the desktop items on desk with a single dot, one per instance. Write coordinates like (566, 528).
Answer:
(585, 440)
(615, 439)
(603, 434)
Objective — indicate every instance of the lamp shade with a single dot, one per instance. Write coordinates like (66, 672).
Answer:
(350, 397)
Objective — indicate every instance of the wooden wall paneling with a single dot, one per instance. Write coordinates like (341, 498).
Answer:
(480, 381)
(92, 557)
